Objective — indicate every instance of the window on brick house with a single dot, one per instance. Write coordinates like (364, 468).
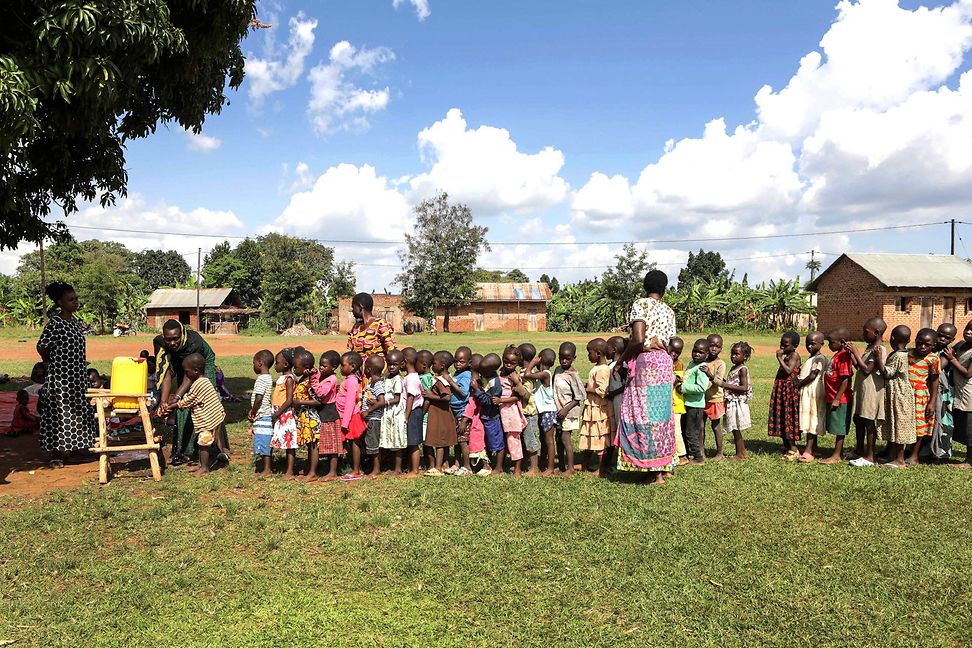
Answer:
(968, 305)
(902, 304)
(502, 313)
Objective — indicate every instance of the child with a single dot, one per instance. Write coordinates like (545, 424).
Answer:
(898, 427)
(960, 360)
(24, 421)
(813, 397)
(424, 359)
(37, 376)
(694, 385)
(207, 408)
(261, 411)
(924, 367)
(489, 413)
(441, 426)
(739, 391)
(324, 386)
(837, 383)
(394, 433)
(715, 398)
(675, 347)
(352, 425)
(568, 395)
(511, 412)
(461, 379)
(471, 424)
(282, 399)
(546, 407)
(374, 409)
(868, 389)
(595, 427)
(96, 380)
(305, 411)
(784, 414)
(615, 391)
(526, 389)
(414, 411)
(940, 445)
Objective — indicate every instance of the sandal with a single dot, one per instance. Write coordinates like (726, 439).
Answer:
(433, 472)
(55, 463)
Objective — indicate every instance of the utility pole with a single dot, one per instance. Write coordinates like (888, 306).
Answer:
(952, 252)
(198, 282)
(43, 283)
(813, 265)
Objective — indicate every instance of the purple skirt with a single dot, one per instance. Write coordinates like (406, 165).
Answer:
(646, 431)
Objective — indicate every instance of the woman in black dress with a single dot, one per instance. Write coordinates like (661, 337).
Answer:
(67, 421)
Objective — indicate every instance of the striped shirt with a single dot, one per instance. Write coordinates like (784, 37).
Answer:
(207, 408)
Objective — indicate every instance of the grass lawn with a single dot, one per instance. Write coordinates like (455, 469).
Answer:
(761, 552)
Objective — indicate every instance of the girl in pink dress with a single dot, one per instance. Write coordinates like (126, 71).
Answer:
(511, 411)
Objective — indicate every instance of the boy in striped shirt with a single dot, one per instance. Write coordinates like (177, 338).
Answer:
(206, 408)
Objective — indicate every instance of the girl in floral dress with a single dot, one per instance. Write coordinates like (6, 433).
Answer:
(282, 399)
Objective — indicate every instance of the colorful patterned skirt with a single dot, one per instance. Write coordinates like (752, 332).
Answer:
(308, 426)
(332, 441)
(784, 412)
(646, 433)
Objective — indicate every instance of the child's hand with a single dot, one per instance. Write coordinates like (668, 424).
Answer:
(515, 377)
(251, 416)
(835, 404)
(704, 368)
(949, 353)
(251, 433)
(779, 354)
(929, 413)
(495, 400)
(429, 394)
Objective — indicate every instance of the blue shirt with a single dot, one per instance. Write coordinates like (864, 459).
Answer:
(463, 379)
(486, 408)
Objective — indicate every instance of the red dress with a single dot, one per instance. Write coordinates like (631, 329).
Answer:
(784, 409)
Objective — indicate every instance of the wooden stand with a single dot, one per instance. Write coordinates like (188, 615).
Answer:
(104, 402)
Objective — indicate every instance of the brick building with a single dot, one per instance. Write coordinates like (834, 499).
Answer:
(387, 307)
(215, 304)
(918, 290)
(500, 307)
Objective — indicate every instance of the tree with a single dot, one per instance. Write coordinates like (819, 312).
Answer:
(517, 276)
(498, 276)
(80, 78)
(704, 266)
(623, 283)
(438, 258)
(345, 283)
(160, 269)
(239, 268)
(294, 272)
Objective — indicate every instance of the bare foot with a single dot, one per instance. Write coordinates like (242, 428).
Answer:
(264, 473)
(289, 477)
(546, 473)
(569, 472)
(962, 466)
(329, 478)
(533, 472)
(660, 479)
(411, 475)
(739, 457)
(496, 472)
(718, 457)
(832, 459)
(200, 471)
(517, 474)
(696, 462)
(806, 458)
(307, 478)
(682, 461)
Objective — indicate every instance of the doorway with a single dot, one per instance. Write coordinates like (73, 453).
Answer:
(480, 319)
(949, 310)
(184, 317)
(927, 312)
(532, 320)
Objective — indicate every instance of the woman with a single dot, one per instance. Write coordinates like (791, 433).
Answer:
(646, 432)
(370, 335)
(175, 344)
(67, 419)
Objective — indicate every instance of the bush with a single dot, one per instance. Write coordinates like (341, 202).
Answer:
(258, 326)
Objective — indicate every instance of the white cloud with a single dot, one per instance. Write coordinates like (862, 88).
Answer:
(867, 128)
(299, 180)
(337, 101)
(282, 67)
(347, 202)
(421, 7)
(484, 169)
(201, 142)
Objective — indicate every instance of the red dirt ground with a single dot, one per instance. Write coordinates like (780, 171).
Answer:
(106, 347)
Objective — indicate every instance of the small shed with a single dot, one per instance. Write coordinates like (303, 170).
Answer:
(387, 307)
(918, 290)
(499, 307)
(215, 304)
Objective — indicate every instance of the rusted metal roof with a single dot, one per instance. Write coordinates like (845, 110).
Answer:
(495, 292)
(909, 270)
(182, 298)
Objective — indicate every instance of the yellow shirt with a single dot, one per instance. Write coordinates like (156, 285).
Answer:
(678, 401)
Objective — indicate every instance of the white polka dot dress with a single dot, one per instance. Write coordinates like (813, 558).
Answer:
(67, 418)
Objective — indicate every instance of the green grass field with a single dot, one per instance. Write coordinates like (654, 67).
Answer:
(761, 552)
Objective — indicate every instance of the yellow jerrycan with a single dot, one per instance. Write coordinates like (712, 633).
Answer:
(128, 376)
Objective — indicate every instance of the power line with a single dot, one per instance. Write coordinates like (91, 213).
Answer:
(764, 237)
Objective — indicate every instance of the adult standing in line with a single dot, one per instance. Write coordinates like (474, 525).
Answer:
(646, 433)
(370, 335)
(176, 343)
(67, 421)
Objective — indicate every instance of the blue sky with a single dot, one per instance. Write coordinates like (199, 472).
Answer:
(580, 122)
